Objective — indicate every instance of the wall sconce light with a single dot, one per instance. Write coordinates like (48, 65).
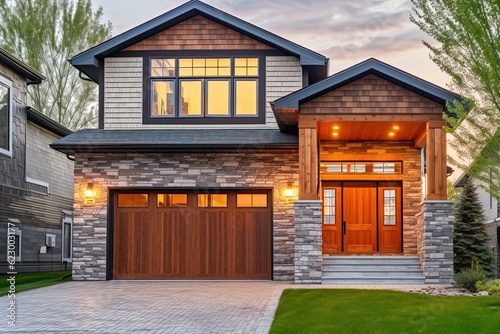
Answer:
(89, 194)
(289, 190)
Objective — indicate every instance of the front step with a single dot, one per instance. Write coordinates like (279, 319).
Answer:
(372, 270)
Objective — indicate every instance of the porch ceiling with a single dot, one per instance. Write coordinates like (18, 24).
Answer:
(373, 131)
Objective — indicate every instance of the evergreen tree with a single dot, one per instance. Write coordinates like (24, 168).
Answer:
(470, 239)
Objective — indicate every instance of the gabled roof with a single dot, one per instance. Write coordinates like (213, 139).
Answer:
(369, 66)
(32, 76)
(87, 63)
(97, 140)
(48, 123)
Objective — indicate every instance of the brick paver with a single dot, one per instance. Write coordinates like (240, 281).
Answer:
(151, 307)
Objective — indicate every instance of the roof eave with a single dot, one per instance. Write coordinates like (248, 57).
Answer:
(89, 57)
(47, 123)
(357, 71)
(151, 147)
(32, 76)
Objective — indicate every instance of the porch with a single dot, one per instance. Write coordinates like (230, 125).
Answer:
(372, 170)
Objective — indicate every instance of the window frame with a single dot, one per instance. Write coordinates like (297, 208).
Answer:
(260, 118)
(4, 81)
(67, 221)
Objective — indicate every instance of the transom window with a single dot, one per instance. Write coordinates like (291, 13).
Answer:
(391, 167)
(204, 87)
(5, 116)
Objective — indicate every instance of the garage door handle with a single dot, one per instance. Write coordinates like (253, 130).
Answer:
(344, 228)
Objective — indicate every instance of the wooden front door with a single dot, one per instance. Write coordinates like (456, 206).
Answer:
(362, 217)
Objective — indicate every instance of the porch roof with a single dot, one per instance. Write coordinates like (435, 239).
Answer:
(98, 140)
(286, 108)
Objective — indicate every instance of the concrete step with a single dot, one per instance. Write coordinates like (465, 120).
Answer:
(372, 270)
(372, 281)
(373, 260)
(375, 274)
(398, 268)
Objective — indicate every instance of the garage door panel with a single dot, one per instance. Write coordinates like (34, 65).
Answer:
(211, 234)
(252, 235)
(173, 254)
(131, 245)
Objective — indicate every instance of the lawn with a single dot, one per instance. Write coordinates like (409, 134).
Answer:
(378, 311)
(30, 281)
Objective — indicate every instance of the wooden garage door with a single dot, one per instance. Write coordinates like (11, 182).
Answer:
(192, 235)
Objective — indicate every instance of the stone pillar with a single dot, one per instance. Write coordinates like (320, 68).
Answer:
(437, 242)
(308, 259)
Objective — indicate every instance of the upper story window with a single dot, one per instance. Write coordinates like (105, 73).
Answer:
(5, 116)
(186, 89)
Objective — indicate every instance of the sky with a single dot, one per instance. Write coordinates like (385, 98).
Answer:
(346, 31)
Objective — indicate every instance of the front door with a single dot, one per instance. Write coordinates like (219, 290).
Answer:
(361, 217)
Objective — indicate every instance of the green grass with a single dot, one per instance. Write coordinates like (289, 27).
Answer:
(378, 311)
(29, 281)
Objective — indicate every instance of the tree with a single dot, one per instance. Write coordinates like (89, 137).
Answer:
(470, 239)
(468, 49)
(44, 34)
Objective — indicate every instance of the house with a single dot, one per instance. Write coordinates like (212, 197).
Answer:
(227, 152)
(36, 182)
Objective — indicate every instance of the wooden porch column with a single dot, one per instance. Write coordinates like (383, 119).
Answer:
(435, 160)
(308, 160)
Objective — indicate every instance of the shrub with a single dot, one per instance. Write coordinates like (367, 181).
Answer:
(493, 287)
(468, 278)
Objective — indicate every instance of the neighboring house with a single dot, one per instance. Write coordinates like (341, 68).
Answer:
(36, 182)
(226, 152)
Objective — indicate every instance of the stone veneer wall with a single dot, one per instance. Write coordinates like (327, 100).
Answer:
(236, 169)
(308, 243)
(436, 246)
(412, 180)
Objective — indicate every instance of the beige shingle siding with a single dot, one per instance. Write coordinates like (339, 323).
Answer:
(283, 76)
(48, 165)
(123, 93)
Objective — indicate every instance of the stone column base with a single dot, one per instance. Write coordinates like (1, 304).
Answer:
(437, 247)
(308, 258)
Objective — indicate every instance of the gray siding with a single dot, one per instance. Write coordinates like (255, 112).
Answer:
(123, 92)
(12, 169)
(488, 202)
(46, 164)
(37, 212)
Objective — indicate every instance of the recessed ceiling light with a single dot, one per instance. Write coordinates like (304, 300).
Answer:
(336, 127)
(391, 134)
(395, 127)
(335, 134)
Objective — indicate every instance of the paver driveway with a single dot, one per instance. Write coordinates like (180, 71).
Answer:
(146, 307)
